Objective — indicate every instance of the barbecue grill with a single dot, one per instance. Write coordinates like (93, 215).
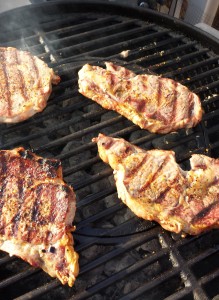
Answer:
(121, 256)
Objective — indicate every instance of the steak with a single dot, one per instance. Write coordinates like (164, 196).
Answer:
(26, 84)
(160, 105)
(154, 186)
(36, 212)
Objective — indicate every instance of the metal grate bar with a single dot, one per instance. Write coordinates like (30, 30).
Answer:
(161, 55)
(66, 138)
(106, 232)
(140, 52)
(182, 294)
(91, 145)
(204, 63)
(94, 178)
(121, 275)
(77, 25)
(176, 61)
(118, 250)
(203, 75)
(39, 291)
(112, 38)
(60, 23)
(115, 47)
(207, 87)
(95, 197)
(81, 166)
(6, 259)
(210, 116)
(91, 34)
(178, 259)
(79, 134)
(209, 277)
(153, 284)
(17, 277)
(100, 215)
(202, 256)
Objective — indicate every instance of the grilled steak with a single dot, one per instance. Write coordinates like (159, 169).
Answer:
(26, 84)
(154, 186)
(36, 213)
(160, 105)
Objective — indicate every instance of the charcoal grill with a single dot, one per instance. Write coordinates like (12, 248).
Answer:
(121, 256)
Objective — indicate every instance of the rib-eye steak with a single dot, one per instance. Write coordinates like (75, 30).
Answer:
(160, 105)
(36, 213)
(25, 85)
(154, 186)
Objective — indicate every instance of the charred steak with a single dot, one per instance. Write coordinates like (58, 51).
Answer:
(36, 213)
(26, 84)
(154, 186)
(160, 105)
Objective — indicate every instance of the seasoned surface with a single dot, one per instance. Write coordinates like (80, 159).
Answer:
(36, 213)
(158, 104)
(26, 84)
(154, 186)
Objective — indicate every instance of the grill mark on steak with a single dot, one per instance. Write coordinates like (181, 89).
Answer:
(35, 69)
(53, 207)
(21, 77)
(155, 175)
(7, 83)
(159, 88)
(191, 105)
(3, 186)
(3, 169)
(20, 198)
(2, 202)
(157, 115)
(36, 204)
(108, 144)
(49, 166)
(162, 195)
(137, 168)
(174, 101)
(204, 212)
(3, 165)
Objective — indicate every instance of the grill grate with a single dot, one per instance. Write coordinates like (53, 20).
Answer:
(121, 256)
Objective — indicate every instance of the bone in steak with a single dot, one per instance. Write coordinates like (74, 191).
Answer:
(154, 186)
(160, 105)
(36, 213)
(26, 84)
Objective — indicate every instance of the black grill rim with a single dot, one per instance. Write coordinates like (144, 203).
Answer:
(124, 10)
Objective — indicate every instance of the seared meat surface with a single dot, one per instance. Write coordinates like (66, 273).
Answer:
(160, 105)
(26, 84)
(154, 186)
(36, 213)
